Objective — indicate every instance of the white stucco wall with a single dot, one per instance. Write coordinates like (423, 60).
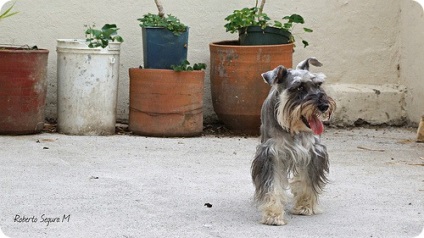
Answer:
(412, 60)
(357, 40)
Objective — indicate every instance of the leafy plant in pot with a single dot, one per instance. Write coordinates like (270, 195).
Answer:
(165, 39)
(87, 82)
(256, 28)
(236, 85)
(23, 86)
(166, 102)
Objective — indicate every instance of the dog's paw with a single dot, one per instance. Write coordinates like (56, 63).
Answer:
(303, 210)
(273, 220)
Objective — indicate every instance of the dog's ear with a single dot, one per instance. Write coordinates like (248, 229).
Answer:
(305, 64)
(275, 76)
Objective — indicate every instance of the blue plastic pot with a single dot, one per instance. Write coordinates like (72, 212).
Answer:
(162, 48)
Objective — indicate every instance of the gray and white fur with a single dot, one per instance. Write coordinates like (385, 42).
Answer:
(290, 154)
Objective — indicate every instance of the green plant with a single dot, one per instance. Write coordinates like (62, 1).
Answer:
(8, 12)
(185, 66)
(255, 17)
(169, 22)
(101, 38)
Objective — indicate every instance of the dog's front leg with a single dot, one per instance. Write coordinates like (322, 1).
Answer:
(309, 181)
(270, 180)
(305, 198)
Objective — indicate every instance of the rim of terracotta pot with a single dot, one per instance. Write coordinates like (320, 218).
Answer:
(235, 44)
(169, 70)
(17, 49)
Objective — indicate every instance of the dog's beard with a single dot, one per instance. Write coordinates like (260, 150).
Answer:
(303, 116)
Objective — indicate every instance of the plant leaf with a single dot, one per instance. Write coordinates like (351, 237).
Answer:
(118, 39)
(109, 26)
(185, 66)
(296, 18)
(307, 30)
(101, 38)
(7, 13)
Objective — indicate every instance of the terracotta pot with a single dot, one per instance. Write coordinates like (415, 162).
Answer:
(237, 87)
(166, 103)
(23, 89)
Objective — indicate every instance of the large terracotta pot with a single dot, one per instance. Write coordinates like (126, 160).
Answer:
(166, 103)
(23, 88)
(237, 87)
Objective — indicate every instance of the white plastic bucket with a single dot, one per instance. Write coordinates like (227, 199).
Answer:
(87, 87)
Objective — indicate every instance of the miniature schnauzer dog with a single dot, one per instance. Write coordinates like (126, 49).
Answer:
(290, 153)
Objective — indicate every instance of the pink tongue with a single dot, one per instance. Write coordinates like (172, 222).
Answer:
(316, 125)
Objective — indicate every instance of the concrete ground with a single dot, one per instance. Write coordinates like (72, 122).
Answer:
(54, 185)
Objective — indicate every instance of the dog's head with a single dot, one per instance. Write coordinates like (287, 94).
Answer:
(302, 105)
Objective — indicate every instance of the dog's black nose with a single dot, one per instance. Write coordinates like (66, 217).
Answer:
(323, 107)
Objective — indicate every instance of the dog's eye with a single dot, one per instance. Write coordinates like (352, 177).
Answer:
(300, 88)
(319, 84)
